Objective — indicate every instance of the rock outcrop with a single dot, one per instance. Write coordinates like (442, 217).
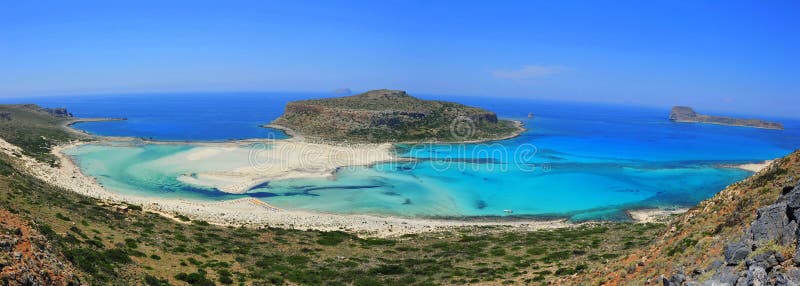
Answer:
(392, 116)
(747, 234)
(58, 112)
(687, 114)
(757, 258)
(27, 258)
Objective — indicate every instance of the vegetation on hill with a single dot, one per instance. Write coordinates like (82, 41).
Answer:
(694, 244)
(110, 243)
(392, 116)
(34, 129)
(51, 234)
(107, 243)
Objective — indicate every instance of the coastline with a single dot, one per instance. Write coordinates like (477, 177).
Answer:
(251, 212)
(752, 167)
(654, 215)
(67, 125)
(725, 124)
(517, 123)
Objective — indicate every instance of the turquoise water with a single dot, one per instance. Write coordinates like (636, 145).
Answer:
(580, 161)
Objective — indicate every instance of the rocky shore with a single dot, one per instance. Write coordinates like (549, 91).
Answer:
(688, 115)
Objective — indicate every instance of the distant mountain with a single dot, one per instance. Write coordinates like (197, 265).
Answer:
(342, 91)
(687, 114)
(392, 116)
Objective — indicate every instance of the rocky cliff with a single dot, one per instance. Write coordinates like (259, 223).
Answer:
(392, 116)
(747, 234)
(687, 114)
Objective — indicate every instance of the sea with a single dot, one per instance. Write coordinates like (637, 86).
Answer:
(578, 161)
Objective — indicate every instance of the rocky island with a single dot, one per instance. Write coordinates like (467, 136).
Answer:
(392, 116)
(687, 114)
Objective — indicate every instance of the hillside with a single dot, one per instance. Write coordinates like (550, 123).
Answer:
(392, 116)
(35, 129)
(745, 233)
(111, 243)
(688, 115)
(64, 238)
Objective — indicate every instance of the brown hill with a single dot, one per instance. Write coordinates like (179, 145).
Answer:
(392, 116)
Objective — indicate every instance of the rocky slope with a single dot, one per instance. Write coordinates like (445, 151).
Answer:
(687, 114)
(28, 258)
(392, 116)
(745, 235)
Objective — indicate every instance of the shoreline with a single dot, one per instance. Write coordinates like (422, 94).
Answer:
(520, 128)
(752, 167)
(654, 215)
(252, 212)
(255, 213)
(725, 124)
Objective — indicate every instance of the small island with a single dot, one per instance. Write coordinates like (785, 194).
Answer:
(392, 116)
(688, 115)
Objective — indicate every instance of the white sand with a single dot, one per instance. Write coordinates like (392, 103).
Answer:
(252, 212)
(754, 167)
(654, 215)
(280, 159)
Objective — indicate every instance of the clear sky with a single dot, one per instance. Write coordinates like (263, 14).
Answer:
(741, 56)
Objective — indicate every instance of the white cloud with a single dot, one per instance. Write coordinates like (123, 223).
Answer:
(529, 72)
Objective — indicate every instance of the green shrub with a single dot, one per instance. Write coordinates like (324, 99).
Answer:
(332, 238)
(388, 269)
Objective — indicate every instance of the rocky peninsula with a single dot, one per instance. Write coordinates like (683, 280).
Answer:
(392, 116)
(688, 115)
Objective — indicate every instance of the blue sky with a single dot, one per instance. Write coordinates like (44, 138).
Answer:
(740, 56)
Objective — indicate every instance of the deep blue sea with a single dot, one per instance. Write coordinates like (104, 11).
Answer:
(582, 161)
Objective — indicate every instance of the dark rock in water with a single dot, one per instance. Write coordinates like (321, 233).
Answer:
(480, 204)
(407, 202)
(735, 253)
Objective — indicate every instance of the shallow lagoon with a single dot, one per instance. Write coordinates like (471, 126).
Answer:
(588, 161)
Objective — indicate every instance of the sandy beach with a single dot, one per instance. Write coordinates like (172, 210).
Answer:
(754, 167)
(654, 215)
(276, 160)
(291, 158)
(251, 212)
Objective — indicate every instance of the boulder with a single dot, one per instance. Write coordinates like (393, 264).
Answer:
(765, 260)
(676, 279)
(736, 252)
(772, 224)
(756, 276)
